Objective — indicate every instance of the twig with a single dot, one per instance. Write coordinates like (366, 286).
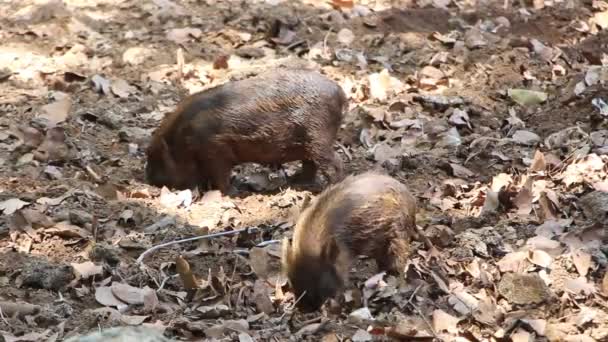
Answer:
(293, 306)
(346, 153)
(409, 301)
(208, 236)
(97, 178)
(325, 44)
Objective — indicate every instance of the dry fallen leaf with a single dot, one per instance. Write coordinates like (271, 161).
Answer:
(346, 36)
(540, 258)
(582, 261)
(261, 297)
(66, 230)
(182, 35)
(9, 206)
(442, 321)
(101, 84)
(122, 89)
(127, 293)
(87, 269)
(56, 112)
(521, 335)
(579, 285)
(104, 296)
(259, 261)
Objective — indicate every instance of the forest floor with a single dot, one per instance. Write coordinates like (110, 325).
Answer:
(495, 117)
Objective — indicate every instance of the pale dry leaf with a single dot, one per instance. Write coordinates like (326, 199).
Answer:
(127, 293)
(56, 112)
(450, 138)
(525, 97)
(543, 51)
(133, 319)
(605, 283)
(474, 39)
(151, 301)
(538, 163)
(261, 297)
(104, 296)
(346, 36)
(487, 311)
(361, 336)
(544, 243)
(582, 261)
(101, 84)
(502, 180)
(586, 315)
(9, 206)
(122, 88)
(361, 315)
(460, 118)
(551, 228)
(182, 35)
(244, 337)
(442, 321)
(513, 262)
(214, 311)
(539, 325)
(491, 202)
(520, 335)
(523, 202)
(601, 19)
(54, 147)
(463, 302)
(309, 329)
(87, 269)
(540, 258)
(66, 230)
(579, 285)
(380, 84)
(259, 262)
(53, 201)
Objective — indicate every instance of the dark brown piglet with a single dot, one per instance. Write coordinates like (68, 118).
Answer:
(276, 117)
(369, 214)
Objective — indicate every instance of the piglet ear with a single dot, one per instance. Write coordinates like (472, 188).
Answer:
(330, 251)
(287, 256)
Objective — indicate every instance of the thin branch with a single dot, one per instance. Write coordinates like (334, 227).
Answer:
(208, 236)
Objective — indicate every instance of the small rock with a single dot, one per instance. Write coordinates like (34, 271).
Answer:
(43, 275)
(53, 172)
(79, 217)
(523, 289)
(595, 206)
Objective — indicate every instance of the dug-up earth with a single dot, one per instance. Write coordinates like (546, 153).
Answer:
(494, 113)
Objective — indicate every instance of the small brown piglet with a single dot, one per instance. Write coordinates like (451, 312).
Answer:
(276, 117)
(369, 214)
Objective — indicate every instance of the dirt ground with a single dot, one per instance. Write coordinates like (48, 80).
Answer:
(493, 116)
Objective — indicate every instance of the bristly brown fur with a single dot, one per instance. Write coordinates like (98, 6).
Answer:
(273, 118)
(369, 214)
